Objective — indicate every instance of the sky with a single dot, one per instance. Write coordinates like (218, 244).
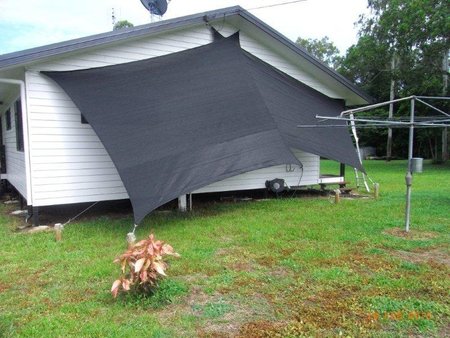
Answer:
(30, 23)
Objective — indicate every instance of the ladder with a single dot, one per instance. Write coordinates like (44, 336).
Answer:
(363, 176)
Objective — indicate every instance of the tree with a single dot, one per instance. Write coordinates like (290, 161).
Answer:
(414, 34)
(122, 24)
(323, 49)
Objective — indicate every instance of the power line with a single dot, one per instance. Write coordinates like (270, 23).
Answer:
(275, 5)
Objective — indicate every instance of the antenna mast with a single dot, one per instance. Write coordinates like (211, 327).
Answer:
(156, 8)
(154, 17)
(113, 17)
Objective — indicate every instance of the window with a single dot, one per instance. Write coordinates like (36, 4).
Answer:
(19, 127)
(8, 119)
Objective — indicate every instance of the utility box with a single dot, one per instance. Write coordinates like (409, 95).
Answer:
(417, 165)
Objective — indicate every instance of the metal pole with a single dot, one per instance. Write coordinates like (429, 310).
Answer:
(444, 92)
(408, 177)
(445, 144)
(433, 97)
(376, 105)
(432, 107)
(391, 110)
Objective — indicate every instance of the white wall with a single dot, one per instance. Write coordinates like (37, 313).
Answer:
(293, 175)
(300, 71)
(69, 163)
(15, 160)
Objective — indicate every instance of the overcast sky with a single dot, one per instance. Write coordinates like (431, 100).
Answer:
(31, 23)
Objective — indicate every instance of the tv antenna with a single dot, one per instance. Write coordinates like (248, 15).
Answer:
(156, 8)
(113, 17)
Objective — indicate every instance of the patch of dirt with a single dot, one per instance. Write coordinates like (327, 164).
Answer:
(281, 329)
(280, 272)
(364, 265)
(241, 261)
(331, 309)
(191, 279)
(198, 297)
(223, 252)
(241, 266)
(254, 308)
(412, 234)
(433, 255)
(228, 327)
(260, 329)
(3, 287)
(167, 314)
(324, 313)
(236, 259)
(267, 261)
(444, 331)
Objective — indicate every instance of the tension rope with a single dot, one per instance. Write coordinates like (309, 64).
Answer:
(81, 213)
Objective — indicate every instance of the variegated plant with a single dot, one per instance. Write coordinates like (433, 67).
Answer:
(144, 263)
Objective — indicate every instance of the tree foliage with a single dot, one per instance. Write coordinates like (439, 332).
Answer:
(415, 33)
(122, 24)
(323, 49)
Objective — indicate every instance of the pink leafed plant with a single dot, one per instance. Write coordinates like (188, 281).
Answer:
(142, 265)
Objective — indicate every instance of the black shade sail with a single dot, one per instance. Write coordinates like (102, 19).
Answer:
(179, 122)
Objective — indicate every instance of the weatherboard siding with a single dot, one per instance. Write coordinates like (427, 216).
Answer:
(69, 164)
(15, 160)
(293, 175)
(300, 71)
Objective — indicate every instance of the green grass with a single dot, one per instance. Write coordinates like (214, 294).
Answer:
(274, 268)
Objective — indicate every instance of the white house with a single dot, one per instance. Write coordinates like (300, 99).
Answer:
(51, 157)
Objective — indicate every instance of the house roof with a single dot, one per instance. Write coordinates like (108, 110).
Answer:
(22, 58)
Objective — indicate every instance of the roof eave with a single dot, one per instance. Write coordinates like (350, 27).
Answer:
(39, 53)
(25, 57)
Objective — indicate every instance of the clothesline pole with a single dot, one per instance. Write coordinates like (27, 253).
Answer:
(408, 177)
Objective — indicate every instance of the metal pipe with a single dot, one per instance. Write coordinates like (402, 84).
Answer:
(381, 122)
(408, 178)
(391, 109)
(337, 118)
(406, 118)
(377, 125)
(376, 105)
(411, 135)
(433, 107)
(433, 97)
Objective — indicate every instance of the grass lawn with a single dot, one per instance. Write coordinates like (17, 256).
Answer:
(275, 268)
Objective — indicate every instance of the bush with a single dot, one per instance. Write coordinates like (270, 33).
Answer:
(142, 265)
